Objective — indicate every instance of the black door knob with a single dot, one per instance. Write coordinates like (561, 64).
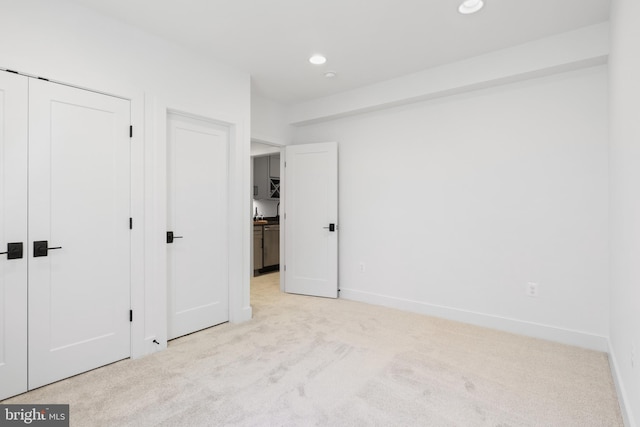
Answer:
(171, 236)
(41, 248)
(14, 250)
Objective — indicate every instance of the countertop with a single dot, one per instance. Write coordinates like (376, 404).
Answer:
(267, 221)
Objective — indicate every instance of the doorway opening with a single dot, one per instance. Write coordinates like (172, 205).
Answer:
(265, 207)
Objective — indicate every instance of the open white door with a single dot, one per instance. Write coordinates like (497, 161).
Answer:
(198, 263)
(13, 233)
(311, 219)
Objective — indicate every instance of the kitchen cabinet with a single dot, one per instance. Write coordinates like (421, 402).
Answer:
(261, 177)
(266, 177)
(266, 248)
(274, 166)
(271, 251)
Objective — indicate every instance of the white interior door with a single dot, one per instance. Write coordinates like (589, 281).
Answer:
(311, 221)
(13, 229)
(79, 196)
(197, 215)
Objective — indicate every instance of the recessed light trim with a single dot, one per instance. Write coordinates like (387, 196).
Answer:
(470, 6)
(318, 59)
(330, 74)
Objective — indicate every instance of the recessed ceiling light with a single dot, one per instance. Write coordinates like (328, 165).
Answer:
(317, 59)
(330, 74)
(470, 6)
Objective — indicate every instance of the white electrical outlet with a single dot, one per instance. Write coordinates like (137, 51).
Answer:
(532, 289)
(362, 267)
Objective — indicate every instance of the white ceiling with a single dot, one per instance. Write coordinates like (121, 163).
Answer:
(365, 41)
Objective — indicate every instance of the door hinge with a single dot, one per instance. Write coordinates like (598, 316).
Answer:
(130, 131)
(285, 267)
(130, 315)
(130, 223)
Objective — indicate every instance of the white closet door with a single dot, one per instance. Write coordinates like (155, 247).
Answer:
(13, 229)
(78, 200)
(197, 214)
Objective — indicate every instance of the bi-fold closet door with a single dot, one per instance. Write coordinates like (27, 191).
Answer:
(65, 198)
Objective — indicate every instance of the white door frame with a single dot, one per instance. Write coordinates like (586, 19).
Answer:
(237, 204)
(283, 191)
(251, 212)
(283, 224)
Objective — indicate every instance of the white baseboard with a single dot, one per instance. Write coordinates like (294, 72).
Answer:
(156, 346)
(535, 330)
(242, 315)
(620, 389)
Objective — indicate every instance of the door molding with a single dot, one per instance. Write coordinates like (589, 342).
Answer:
(281, 151)
(238, 198)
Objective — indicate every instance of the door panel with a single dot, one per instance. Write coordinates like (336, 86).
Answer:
(311, 205)
(197, 262)
(13, 228)
(79, 196)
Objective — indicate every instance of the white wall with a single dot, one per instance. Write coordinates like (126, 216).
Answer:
(625, 201)
(266, 208)
(65, 42)
(269, 121)
(583, 47)
(454, 204)
(259, 149)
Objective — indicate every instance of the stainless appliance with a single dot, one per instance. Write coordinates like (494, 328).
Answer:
(257, 247)
(271, 251)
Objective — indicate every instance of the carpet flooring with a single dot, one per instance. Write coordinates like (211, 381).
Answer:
(304, 361)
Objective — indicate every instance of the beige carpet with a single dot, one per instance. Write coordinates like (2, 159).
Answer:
(306, 361)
